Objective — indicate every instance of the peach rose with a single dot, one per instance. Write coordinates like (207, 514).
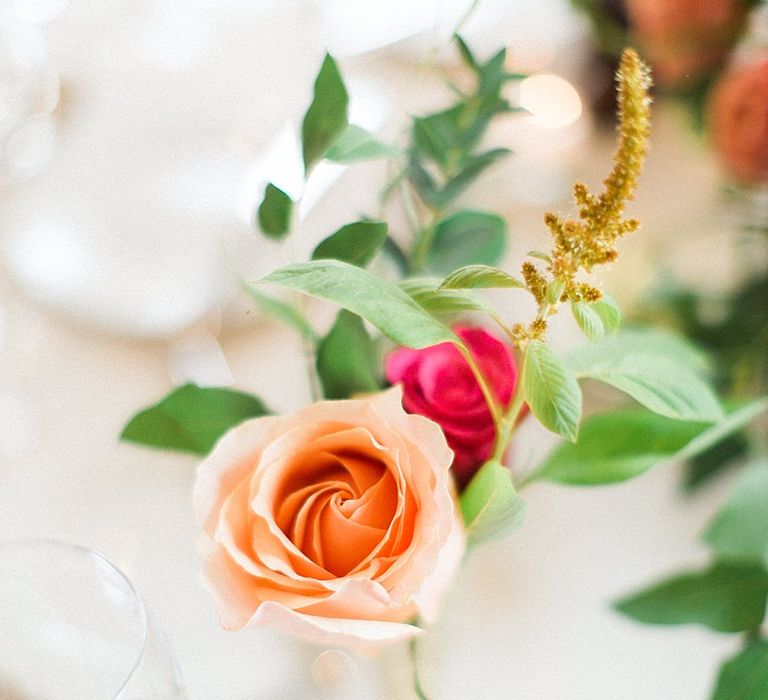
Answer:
(738, 122)
(685, 39)
(336, 524)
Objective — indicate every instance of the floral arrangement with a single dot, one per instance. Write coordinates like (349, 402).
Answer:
(344, 522)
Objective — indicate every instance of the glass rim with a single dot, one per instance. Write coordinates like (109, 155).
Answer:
(63, 545)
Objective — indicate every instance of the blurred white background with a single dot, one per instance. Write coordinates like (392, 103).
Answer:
(135, 140)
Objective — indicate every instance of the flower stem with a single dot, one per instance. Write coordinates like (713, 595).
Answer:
(417, 687)
(505, 428)
(493, 406)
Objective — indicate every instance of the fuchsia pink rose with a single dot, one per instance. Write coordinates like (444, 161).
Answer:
(337, 524)
(738, 122)
(438, 383)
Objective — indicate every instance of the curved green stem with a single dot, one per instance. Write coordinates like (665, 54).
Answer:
(417, 687)
(493, 405)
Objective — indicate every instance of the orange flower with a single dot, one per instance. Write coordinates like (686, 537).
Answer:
(336, 524)
(738, 122)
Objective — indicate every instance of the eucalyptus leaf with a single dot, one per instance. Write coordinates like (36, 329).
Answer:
(326, 117)
(281, 310)
(727, 597)
(355, 243)
(740, 529)
(480, 276)
(745, 676)
(467, 238)
(658, 377)
(588, 320)
(192, 418)
(551, 391)
(356, 144)
(274, 214)
(347, 359)
(382, 303)
(490, 505)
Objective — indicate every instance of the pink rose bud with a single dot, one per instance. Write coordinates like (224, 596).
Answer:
(738, 122)
(438, 383)
(685, 39)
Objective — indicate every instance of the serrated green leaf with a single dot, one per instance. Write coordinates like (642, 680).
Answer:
(727, 597)
(356, 144)
(347, 359)
(551, 391)
(656, 376)
(192, 418)
(467, 238)
(355, 243)
(326, 117)
(745, 676)
(274, 214)
(609, 312)
(280, 310)
(381, 303)
(480, 276)
(740, 529)
(490, 505)
(588, 320)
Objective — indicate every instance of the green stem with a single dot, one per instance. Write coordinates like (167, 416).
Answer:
(505, 428)
(417, 687)
(493, 406)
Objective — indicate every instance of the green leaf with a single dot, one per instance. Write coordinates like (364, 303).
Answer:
(480, 276)
(618, 445)
(490, 505)
(472, 168)
(355, 243)
(356, 144)
(540, 255)
(551, 391)
(347, 359)
(745, 676)
(467, 238)
(466, 53)
(727, 597)
(382, 303)
(609, 312)
(427, 294)
(615, 446)
(192, 418)
(555, 290)
(719, 458)
(589, 320)
(326, 117)
(281, 310)
(740, 529)
(274, 214)
(652, 375)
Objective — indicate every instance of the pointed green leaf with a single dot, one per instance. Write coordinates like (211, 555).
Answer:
(490, 505)
(466, 53)
(326, 117)
(347, 359)
(555, 290)
(656, 376)
(588, 319)
(382, 303)
(426, 293)
(356, 144)
(471, 169)
(467, 238)
(740, 529)
(355, 243)
(281, 310)
(745, 676)
(540, 255)
(192, 418)
(609, 312)
(480, 276)
(551, 391)
(726, 597)
(619, 445)
(275, 211)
